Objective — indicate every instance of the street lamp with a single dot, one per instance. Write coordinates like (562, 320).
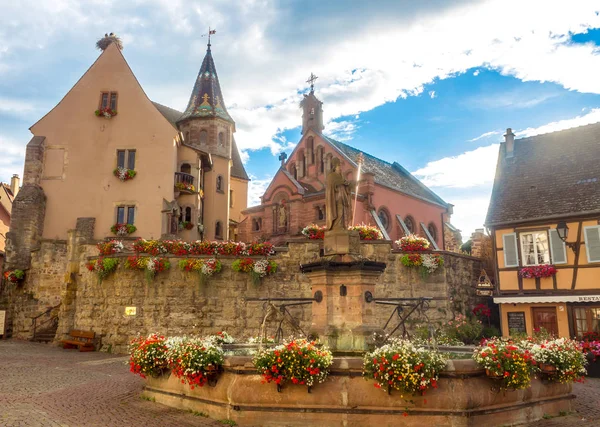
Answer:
(562, 230)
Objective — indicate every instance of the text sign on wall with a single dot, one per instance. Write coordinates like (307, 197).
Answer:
(516, 321)
(2, 321)
(130, 311)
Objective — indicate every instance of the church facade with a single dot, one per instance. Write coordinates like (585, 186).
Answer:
(388, 196)
(106, 158)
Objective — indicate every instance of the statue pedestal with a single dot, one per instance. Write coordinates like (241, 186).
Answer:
(341, 242)
(344, 320)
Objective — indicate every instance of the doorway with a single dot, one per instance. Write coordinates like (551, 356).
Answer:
(545, 317)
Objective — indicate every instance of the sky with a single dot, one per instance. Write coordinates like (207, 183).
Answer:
(432, 85)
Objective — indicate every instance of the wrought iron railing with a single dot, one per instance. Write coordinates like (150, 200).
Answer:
(184, 178)
(51, 321)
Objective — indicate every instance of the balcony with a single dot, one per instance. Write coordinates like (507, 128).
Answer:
(184, 183)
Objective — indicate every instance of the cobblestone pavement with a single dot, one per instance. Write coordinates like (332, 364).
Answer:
(46, 386)
(42, 385)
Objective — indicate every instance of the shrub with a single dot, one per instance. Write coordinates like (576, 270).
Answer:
(148, 356)
(464, 329)
(402, 366)
(490, 332)
(299, 361)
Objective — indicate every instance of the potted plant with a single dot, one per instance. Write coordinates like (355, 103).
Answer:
(400, 365)
(195, 361)
(560, 360)
(103, 267)
(367, 232)
(505, 361)
(148, 356)
(297, 361)
(14, 276)
(412, 243)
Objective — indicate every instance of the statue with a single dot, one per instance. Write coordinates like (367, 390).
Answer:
(338, 206)
(282, 215)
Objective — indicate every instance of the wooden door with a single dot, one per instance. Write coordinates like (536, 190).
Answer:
(545, 317)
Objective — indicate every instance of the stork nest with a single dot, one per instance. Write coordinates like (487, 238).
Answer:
(105, 41)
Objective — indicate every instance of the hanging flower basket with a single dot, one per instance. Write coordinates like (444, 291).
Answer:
(14, 276)
(150, 265)
(537, 271)
(426, 263)
(107, 113)
(204, 267)
(124, 174)
(123, 229)
(256, 269)
(103, 267)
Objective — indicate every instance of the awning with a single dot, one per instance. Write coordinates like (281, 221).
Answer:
(546, 298)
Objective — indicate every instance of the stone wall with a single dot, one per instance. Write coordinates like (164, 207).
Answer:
(175, 303)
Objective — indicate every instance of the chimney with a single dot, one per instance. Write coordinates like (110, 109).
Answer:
(14, 185)
(509, 140)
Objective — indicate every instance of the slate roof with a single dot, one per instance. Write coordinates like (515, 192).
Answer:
(206, 99)
(391, 175)
(237, 167)
(551, 175)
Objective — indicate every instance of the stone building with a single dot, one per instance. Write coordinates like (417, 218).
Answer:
(7, 195)
(188, 171)
(388, 195)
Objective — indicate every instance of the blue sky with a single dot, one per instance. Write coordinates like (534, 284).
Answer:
(432, 85)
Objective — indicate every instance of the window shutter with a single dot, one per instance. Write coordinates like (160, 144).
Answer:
(592, 243)
(557, 248)
(511, 255)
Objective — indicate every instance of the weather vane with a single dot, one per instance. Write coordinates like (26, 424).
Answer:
(210, 32)
(311, 80)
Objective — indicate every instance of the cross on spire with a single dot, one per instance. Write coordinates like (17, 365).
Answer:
(210, 32)
(312, 80)
(282, 157)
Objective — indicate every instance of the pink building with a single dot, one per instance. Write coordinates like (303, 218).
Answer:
(388, 195)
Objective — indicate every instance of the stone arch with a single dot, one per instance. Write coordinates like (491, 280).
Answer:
(203, 137)
(185, 168)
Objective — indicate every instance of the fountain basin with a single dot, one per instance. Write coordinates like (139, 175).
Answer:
(465, 397)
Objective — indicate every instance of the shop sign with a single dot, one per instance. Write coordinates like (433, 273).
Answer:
(484, 292)
(589, 298)
(130, 311)
(516, 321)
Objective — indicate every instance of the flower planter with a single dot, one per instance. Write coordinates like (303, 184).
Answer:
(189, 226)
(493, 375)
(547, 369)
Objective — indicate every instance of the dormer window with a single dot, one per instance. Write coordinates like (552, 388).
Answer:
(108, 100)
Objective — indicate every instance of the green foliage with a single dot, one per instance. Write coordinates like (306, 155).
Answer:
(228, 422)
(464, 329)
(490, 332)
(467, 246)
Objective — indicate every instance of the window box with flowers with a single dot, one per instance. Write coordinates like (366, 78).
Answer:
(412, 243)
(185, 187)
(537, 271)
(123, 229)
(106, 112)
(14, 276)
(103, 267)
(298, 361)
(186, 225)
(124, 174)
(256, 269)
(400, 365)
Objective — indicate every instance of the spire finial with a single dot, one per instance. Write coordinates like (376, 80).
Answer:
(210, 32)
(311, 80)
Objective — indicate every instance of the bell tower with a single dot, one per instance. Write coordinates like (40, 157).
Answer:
(312, 109)
(207, 127)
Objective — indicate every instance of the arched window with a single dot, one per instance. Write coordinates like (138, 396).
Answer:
(384, 217)
(220, 183)
(294, 171)
(301, 164)
(230, 198)
(256, 224)
(187, 217)
(221, 139)
(218, 230)
(186, 168)
(311, 150)
(410, 224)
(321, 160)
(203, 137)
(320, 213)
(187, 137)
(432, 231)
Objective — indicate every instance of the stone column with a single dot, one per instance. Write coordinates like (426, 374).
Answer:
(343, 319)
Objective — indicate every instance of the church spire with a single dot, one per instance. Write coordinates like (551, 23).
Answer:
(206, 99)
(312, 109)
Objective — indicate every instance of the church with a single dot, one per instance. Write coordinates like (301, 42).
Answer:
(388, 196)
(108, 160)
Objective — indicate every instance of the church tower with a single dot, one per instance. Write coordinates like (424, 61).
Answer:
(312, 110)
(207, 126)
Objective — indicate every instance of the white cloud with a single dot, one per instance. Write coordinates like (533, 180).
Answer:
(256, 188)
(486, 135)
(470, 169)
(9, 105)
(476, 73)
(342, 131)
(254, 48)
(11, 158)
(469, 214)
(432, 94)
(592, 117)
